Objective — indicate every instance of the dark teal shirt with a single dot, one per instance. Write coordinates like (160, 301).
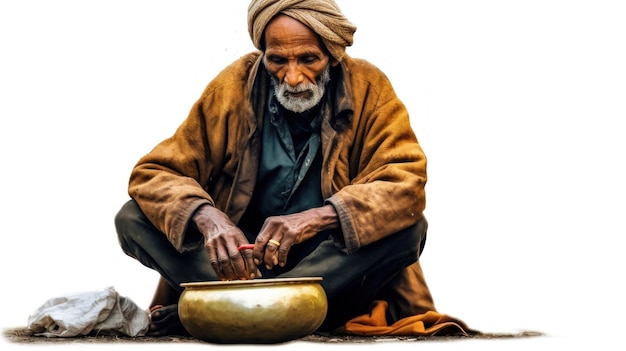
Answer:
(289, 176)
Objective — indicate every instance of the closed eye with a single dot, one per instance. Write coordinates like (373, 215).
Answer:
(277, 60)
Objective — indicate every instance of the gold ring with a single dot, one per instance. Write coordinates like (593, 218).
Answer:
(272, 241)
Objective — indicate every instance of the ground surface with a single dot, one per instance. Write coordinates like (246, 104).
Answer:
(25, 336)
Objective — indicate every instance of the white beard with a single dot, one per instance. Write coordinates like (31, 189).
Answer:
(300, 104)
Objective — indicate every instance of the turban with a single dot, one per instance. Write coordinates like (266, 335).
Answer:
(321, 16)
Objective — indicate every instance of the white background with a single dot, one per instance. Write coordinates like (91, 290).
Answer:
(519, 106)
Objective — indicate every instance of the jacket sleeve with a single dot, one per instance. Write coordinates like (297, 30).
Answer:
(166, 183)
(190, 168)
(386, 166)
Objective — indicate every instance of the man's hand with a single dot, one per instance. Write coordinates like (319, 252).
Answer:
(280, 233)
(222, 239)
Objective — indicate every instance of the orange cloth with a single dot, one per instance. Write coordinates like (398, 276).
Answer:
(430, 323)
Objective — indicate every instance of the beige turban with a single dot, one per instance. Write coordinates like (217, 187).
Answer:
(322, 16)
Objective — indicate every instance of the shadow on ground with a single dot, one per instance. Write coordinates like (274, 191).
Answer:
(25, 336)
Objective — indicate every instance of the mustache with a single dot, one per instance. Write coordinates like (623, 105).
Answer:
(300, 88)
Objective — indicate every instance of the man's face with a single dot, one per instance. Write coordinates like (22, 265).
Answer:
(296, 60)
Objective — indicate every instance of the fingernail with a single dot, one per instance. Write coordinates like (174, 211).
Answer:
(257, 262)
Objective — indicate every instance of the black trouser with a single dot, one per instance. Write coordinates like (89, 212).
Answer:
(350, 281)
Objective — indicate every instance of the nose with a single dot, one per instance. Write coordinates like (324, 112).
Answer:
(294, 75)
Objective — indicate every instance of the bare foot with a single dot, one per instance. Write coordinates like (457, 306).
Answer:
(165, 321)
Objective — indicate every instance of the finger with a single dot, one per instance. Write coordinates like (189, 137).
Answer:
(246, 250)
(259, 250)
(270, 257)
(260, 245)
(257, 255)
(215, 263)
(283, 250)
(224, 261)
(239, 266)
(249, 268)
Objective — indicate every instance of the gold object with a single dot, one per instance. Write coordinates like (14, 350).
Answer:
(277, 243)
(259, 311)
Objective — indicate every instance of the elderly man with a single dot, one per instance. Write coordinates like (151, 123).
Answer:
(301, 150)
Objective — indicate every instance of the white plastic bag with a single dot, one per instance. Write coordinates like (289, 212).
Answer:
(81, 313)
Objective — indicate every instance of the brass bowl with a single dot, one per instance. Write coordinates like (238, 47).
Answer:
(259, 311)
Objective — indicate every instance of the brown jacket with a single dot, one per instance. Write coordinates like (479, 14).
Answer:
(373, 169)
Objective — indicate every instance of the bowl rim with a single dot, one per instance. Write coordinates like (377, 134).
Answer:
(259, 281)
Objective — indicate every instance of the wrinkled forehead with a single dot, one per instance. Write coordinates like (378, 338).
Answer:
(283, 30)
